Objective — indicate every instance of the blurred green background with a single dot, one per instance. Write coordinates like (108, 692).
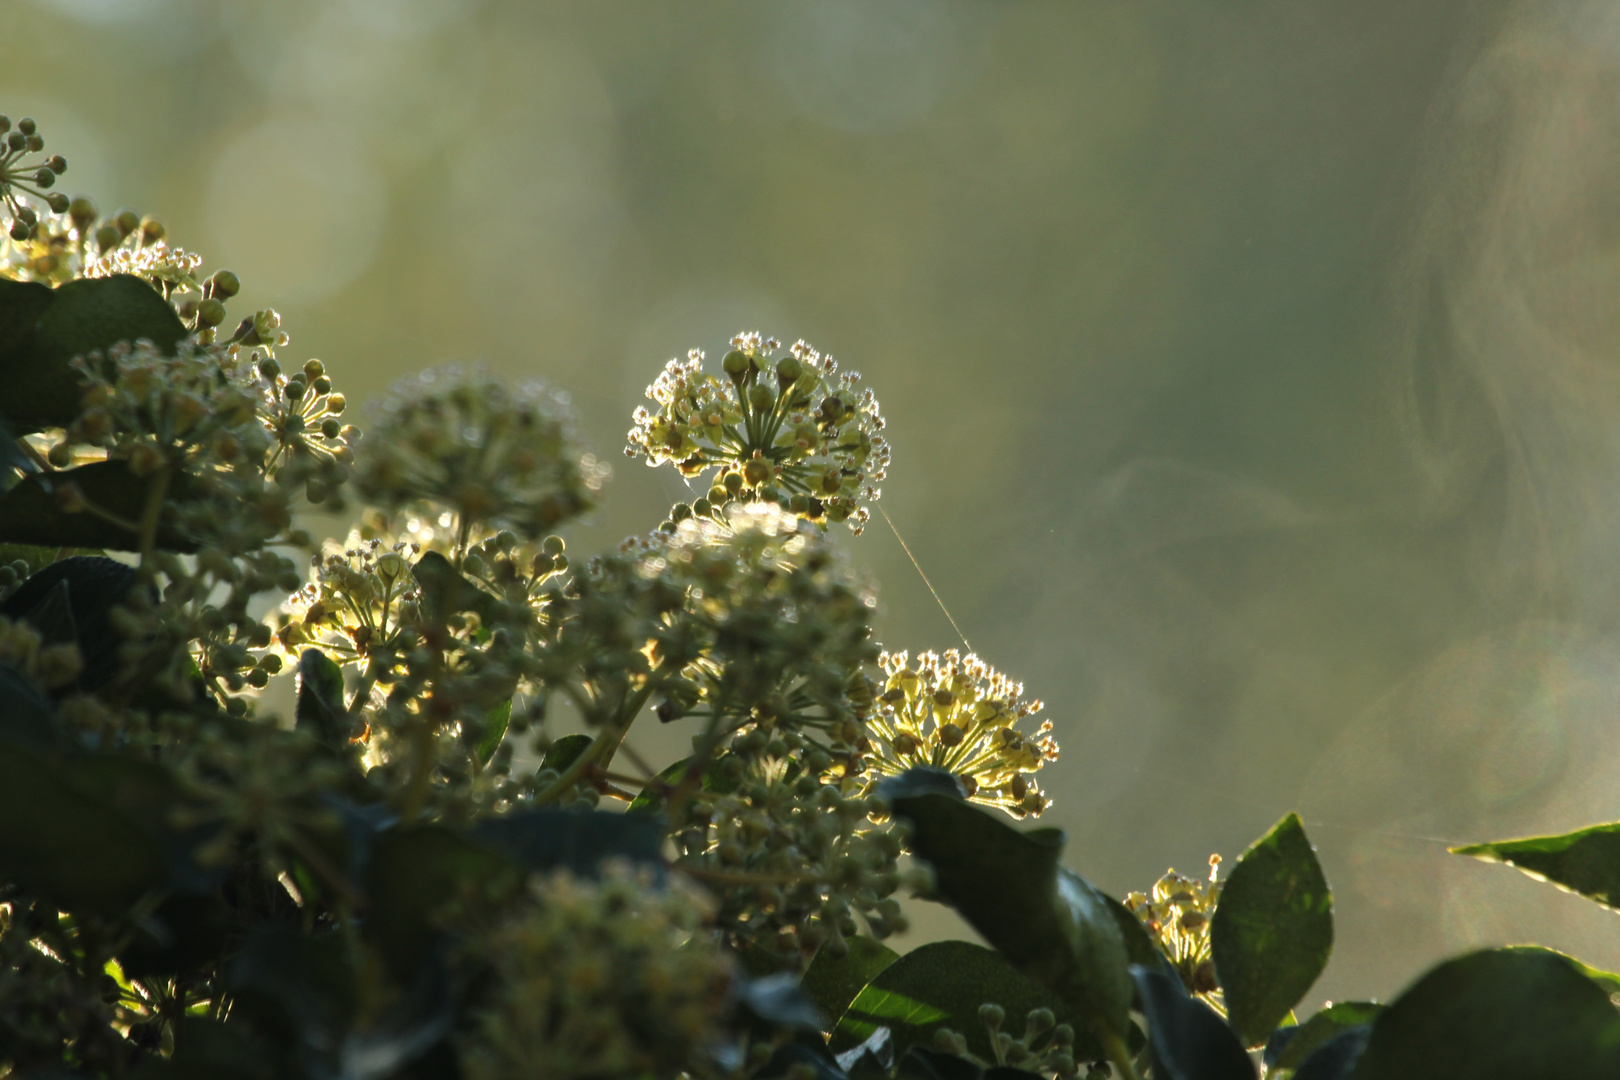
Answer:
(1249, 365)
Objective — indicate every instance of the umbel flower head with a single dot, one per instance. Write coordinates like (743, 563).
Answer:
(462, 440)
(613, 978)
(958, 713)
(787, 429)
(360, 605)
(1176, 913)
(21, 176)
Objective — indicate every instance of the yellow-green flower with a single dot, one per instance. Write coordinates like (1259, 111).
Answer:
(788, 429)
(958, 713)
(1176, 913)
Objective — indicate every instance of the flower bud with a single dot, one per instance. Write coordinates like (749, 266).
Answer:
(735, 364)
(20, 231)
(760, 397)
(210, 313)
(152, 230)
(224, 284)
(26, 126)
(44, 178)
(335, 403)
(991, 1016)
(108, 237)
(313, 369)
(58, 202)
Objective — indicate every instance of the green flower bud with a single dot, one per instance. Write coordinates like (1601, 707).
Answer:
(34, 142)
(16, 140)
(732, 482)
(19, 231)
(702, 508)
(152, 230)
(127, 221)
(313, 369)
(83, 212)
(61, 455)
(760, 397)
(57, 164)
(26, 125)
(58, 202)
(335, 403)
(322, 384)
(788, 370)
(224, 284)
(269, 368)
(991, 1016)
(5, 123)
(210, 313)
(553, 546)
(736, 365)
(330, 427)
(108, 237)
(756, 472)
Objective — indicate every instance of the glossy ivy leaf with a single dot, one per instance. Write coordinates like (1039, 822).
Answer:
(941, 985)
(72, 600)
(1273, 930)
(38, 388)
(1608, 980)
(1586, 861)
(716, 778)
(1291, 1045)
(831, 982)
(31, 514)
(496, 721)
(1337, 1058)
(564, 752)
(1189, 1040)
(80, 847)
(25, 711)
(320, 708)
(1048, 921)
(1499, 1014)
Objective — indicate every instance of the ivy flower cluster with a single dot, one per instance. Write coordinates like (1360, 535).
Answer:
(1045, 1048)
(21, 176)
(958, 713)
(1176, 913)
(595, 979)
(361, 605)
(459, 439)
(792, 430)
(794, 855)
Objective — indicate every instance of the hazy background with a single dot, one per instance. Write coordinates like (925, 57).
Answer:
(1250, 366)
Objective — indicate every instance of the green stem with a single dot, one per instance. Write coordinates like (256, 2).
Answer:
(602, 747)
(153, 510)
(1117, 1051)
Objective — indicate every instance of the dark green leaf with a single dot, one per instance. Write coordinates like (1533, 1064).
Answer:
(716, 778)
(79, 848)
(1586, 861)
(25, 711)
(1608, 980)
(1336, 1059)
(1189, 1041)
(184, 933)
(71, 600)
(579, 840)
(495, 725)
(1273, 930)
(30, 513)
(208, 1049)
(942, 984)
(38, 388)
(415, 872)
(831, 982)
(1047, 920)
(320, 707)
(1497, 1015)
(1298, 1042)
(564, 752)
(445, 591)
(926, 1063)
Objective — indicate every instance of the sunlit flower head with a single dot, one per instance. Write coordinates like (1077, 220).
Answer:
(790, 429)
(958, 713)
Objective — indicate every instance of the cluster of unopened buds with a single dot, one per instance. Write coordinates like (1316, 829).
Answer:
(24, 651)
(20, 175)
(616, 977)
(787, 429)
(957, 713)
(494, 455)
(1046, 1047)
(1176, 913)
(313, 448)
